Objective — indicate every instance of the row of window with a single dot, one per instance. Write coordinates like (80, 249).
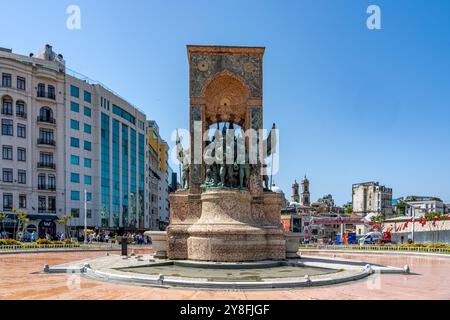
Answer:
(75, 160)
(7, 153)
(75, 142)
(75, 124)
(76, 196)
(7, 81)
(7, 107)
(8, 128)
(75, 92)
(75, 213)
(8, 201)
(75, 107)
(75, 178)
(8, 176)
(50, 93)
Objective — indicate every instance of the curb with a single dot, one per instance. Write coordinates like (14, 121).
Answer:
(439, 255)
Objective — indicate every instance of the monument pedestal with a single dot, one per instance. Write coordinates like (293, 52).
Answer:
(232, 226)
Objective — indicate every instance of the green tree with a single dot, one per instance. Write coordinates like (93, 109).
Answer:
(3, 217)
(349, 209)
(22, 221)
(64, 221)
(401, 207)
(377, 219)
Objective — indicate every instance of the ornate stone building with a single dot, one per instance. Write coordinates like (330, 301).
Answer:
(306, 197)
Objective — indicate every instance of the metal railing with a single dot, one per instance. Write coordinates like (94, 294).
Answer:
(46, 119)
(392, 248)
(33, 246)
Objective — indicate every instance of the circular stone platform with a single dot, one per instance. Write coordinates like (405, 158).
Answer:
(293, 273)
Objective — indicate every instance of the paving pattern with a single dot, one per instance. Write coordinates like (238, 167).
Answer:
(21, 278)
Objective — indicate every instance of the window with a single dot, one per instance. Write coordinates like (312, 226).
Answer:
(46, 158)
(87, 180)
(7, 201)
(20, 83)
(22, 201)
(87, 145)
(20, 109)
(75, 177)
(51, 204)
(75, 160)
(74, 124)
(7, 106)
(21, 131)
(41, 182)
(87, 111)
(75, 107)
(88, 196)
(51, 182)
(75, 142)
(7, 153)
(46, 115)
(124, 114)
(21, 154)
(41, 90)
(87, 128)
(7, 127)
(74, 91)
(89, 213)
(8, 175)
(87, 96)
(51, 93)
(6, 80)
(75, 195)
(42, 204)
(46, 136)
(22, 176)
(75, 213)
(87, 163)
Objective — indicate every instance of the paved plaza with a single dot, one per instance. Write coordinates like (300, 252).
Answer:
(22, 279)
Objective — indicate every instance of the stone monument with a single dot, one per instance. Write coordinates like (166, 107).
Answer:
(225, 211)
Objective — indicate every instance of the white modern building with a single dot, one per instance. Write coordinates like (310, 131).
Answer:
(418, 206)
(66, 138)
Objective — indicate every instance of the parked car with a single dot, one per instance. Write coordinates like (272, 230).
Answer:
(375, 237)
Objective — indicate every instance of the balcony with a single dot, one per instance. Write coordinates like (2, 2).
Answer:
(45, 210)
(48, 95)
(46, 187)
(7, 111)
(46, 142)
(21, 115)
(46, 165)
(42, 119)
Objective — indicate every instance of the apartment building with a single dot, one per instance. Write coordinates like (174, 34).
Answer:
(371, 197)
(66, 139)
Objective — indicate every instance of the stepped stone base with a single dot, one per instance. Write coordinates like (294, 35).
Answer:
(225, 226)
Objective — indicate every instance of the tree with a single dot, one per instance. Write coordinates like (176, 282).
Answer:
(349, 209)
(377, 219)
(401, 207)
(63, 221)
(3, 217)
(22, 220)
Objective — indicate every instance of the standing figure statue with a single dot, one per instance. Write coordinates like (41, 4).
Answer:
(222, 174)
(185, 176)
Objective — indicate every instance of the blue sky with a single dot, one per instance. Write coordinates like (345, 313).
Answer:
(352, 104)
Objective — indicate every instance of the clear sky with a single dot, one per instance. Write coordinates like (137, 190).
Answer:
(352, 104)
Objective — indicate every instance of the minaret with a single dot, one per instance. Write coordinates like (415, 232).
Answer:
(305, 192)
(295, 196)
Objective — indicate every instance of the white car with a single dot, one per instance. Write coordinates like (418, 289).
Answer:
(371, 238)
